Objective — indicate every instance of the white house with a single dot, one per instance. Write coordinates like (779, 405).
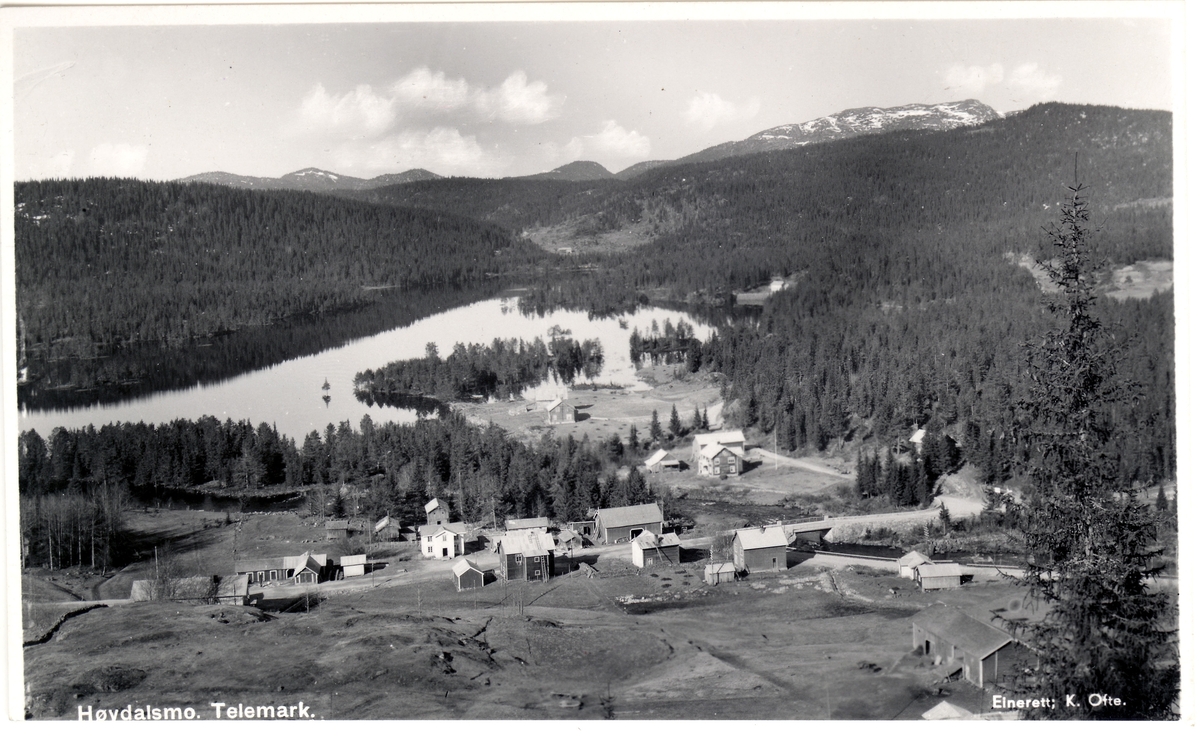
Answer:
(717, 453)
(442, 542)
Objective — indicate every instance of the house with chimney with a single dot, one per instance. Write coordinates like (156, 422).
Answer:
(719, 453)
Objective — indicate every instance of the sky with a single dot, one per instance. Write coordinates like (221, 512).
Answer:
(496, 99)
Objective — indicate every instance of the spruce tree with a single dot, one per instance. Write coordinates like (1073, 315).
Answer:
(655, 428)
(675, 425)
(697, 420)
(1090, 543)
(633, 438)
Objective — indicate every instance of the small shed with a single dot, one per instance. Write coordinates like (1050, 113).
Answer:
(619, 524)
(541, 524)
(337, 529)
(353, 565)
(467, 575)
(907, 565)
(526, 555)
(650, 549)
(662, 462)
(760, 549)
(933, 576)
(955, 640)
(561, 413)
(436, 512)
(717, 573)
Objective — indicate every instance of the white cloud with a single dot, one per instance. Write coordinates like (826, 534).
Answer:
(517, 100)
(1034, 82)
(423, 88)
(441, 149)
(613, 141)
(708, 110)
(1022, 86)
(361, 112)
(117, 159)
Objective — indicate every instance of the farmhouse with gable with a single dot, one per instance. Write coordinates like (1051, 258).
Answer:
(719, 453)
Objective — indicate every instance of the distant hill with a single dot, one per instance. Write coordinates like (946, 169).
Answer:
(850, 123)
(641, 168)
(576, 171)
(311, 180)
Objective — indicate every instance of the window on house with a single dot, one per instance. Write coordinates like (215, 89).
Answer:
(274, 574)
(429, 549)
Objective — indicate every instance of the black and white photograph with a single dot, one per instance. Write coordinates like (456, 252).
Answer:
(594, 361)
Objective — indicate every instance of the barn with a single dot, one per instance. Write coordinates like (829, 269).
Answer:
(650, 549)
(661, 461)
(541, 524)
(956, 641)
(933, 576)
(337, 529)
(760, 549)
(717, 573)
(293, 569)
(436, 512)
(907, 565)
(561, 413)
(467, 575)
(625, 523)
(526, 555)
(194, 589)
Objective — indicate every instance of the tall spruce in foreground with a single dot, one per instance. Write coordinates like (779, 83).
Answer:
(1091, 544)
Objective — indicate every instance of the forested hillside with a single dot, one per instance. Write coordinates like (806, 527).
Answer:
(106, 262)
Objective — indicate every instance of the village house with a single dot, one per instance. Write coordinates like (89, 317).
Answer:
(719, 453)
(305, 568)
(436, 512)
(541, 524)
(526, 555)
(933, 576)
(907, 565)
(760, 549)
(717, 573)
(443, 541)
(620, 524)
(194, 589)
(650, 549)
(957, 641)
(337, 529)
(389, 529)
(467, 575)
(561, 413)
(662, 462)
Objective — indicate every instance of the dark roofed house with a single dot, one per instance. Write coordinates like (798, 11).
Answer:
(526, 555)
(760, 549)
(956, 641)
(650, 549)
(620, 524)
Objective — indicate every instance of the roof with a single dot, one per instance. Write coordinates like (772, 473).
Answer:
(933, 570)
(918, 436)
(554, 404)
(457, 528)
(756, 538)
(658, 456)
(648, 540)
(713, 450)
(387, 521)
(914, 558)
(946, 710)
(304, 560)
(433, 504)
(463, 565)
(352, 560)
(726, 567)
(526, 523)
(638, 514)
(527, 542)
(962, 631)
(337, 524)
(723, 438)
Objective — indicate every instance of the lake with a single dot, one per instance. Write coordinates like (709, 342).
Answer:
(290, 396)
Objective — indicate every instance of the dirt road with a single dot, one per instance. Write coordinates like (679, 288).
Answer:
(766, 456)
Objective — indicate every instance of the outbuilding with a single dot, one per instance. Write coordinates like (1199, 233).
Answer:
(662, 462)
(526, 555)
(907, 565)
(467, 575)
(353, 565)
(650, 549)
(933, 576)
(337, 529)
(561, 413)
(541, 524)
(957, 641)
(717, 573)
(436, 512)
(625, 523)
(760, 549)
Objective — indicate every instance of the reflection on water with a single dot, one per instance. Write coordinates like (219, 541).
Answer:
(292, 397)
